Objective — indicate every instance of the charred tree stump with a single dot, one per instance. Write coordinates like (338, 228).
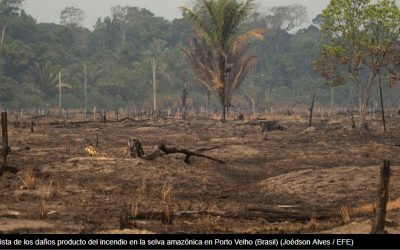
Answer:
(378, 226)
(5, 150)
(269, 126)
(353, 123)
(4, 132)
(104, 117)
(135, 148)
(32, 126)
(184, 95)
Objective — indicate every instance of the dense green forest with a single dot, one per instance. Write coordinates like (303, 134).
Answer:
(116, 60)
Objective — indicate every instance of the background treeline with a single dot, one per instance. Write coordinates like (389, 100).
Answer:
(118, 54)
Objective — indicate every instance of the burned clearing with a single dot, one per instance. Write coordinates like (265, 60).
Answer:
(293, 181)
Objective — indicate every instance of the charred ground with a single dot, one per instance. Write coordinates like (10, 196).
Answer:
(291, 182)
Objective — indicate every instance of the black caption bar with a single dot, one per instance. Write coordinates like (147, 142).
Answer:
(216, 241)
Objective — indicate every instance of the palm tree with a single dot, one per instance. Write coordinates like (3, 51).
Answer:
(218, 53)
(44, 76)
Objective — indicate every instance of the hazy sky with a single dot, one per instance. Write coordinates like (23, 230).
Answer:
(45, 11)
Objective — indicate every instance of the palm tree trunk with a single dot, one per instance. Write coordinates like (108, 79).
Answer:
(224, 97)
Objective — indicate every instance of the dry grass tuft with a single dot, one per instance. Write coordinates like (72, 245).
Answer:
(42, 209)
(168, 211)
(312, 224)
(370, 208)
(138, 199)
(345, 213)
(46, 192)
(28, 180)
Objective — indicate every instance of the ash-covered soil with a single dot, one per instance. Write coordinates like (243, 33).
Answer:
(291, 182)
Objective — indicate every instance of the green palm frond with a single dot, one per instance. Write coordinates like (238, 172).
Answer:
(63, 85)
(218, 53)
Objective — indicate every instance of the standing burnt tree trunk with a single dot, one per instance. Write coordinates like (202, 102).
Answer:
(312, 107)
(383, 197)
(382, 107)
(4, 132)
(184, 95)
(154, 71)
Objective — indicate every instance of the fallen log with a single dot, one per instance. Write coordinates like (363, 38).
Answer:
(271, 216)
(161, 150)
(8, 168)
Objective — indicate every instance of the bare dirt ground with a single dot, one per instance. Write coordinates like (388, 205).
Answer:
(293, 182)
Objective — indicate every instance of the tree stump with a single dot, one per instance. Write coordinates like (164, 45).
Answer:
(104, 117)
(353, 123)
(135, 148)
(32, 126)
(269, 126)
(5, 148)
(378, 226)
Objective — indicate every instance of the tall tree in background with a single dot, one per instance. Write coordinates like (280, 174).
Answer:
(157, 47)
(72, 16)
(218, 54)
(285, 18)
(360, 34)
(8, 8)
(73, 19)
(382, 28)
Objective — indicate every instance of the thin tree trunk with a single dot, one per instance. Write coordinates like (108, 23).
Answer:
(253, 106)
(312, 107)
(224, 98)
(154, 69)
(84, 66)
(359, 94)
(5, 148)
(364, 105)
(3, 34)
(332, 100)
(223, 110)
(59, 90)
(208, 93)
(382, 106)
(378, 226)
(184, 95)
